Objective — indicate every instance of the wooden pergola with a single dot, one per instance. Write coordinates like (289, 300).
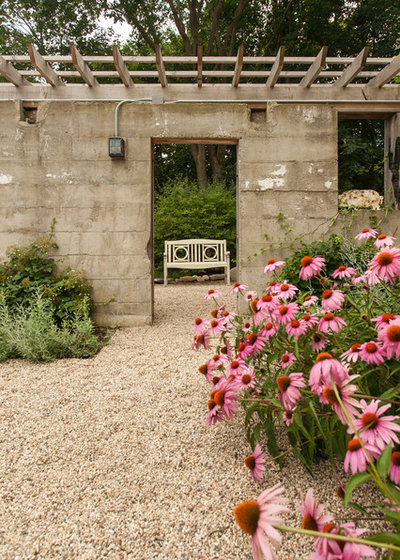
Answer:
(284, 78)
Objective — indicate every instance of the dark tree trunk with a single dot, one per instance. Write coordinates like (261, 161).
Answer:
(199, 156)
(216, 154)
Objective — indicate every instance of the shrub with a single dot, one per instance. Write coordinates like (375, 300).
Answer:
(187, 211)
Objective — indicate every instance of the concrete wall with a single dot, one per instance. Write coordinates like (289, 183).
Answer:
(59, 167)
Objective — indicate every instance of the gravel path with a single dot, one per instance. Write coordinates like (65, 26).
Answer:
(110, 457)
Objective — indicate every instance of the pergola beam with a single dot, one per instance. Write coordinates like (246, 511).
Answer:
(199, 65)
(43, 68)
(238, 67)
(121, 67)
(276, 68)
(160, 67)
(315, 69)
(353, 69)
(83, 68)
(386, 74)
(11, 74)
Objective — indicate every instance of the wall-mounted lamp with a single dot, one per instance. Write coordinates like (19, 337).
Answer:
(116, 147)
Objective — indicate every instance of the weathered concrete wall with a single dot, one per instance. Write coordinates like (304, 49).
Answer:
(60, 168)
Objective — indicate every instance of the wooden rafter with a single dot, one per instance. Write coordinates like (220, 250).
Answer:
(199, 65)
(315, 69)
(386, 74)
(43, 68)
(353, 69)
(276, 68)
(238, 67)
(11, 74)
(160, 67)
(121, 67)
(83, 68)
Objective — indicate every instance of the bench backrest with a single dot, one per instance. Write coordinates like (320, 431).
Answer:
(196, 251)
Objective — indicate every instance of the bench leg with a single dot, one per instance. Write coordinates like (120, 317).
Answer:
(165, 270)
(228, 269)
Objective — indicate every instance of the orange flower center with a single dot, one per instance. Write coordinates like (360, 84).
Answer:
(271, 261)
(357, 275)
(236, 284)
(285, 358)
(214, 313)
(251, 338)
(215, 379)
(384, 259)
(284, 287)
(234, 364)
(215, 357)
(307, 298)
(289, 414)
(326, 294)
(328, 527)
(283, 310)
(283, 382)
(246, 516)
(328, 316)
(250, 462)
(203, 369)
(305, 261)
(253, 305)
(330, 396)
(295, 323)
(341, 268)
(369, 420)
(200, 339)
(393, 333)
(317, 338)
(267, 298)
(211, 404)
(224, 350)
(324, 356)
(219, 397)
(354, 445)
(387, 317)
(364, 230)
(198, 321)
(309, 523)
(371, 347)
(246, 379)
(211, 291)
(340, 492)
(396, 458)
(241, 347)
(306, 317)
(356, 347)
(381, 236)
(269, 326)
(214, 324)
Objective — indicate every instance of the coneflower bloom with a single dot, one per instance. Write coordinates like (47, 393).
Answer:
(384, 241)
(384, 320)
(331, 300)
(255, 463)
(268, 302)
(246, 380)
(326, 368)
(238, 287)
(386, 264)
(309, 301)
(329, 549)
(247, 325)
(212, 294)
(214, 413)
(313, 514)
(288, 416)
(390, 338)
(226, 396)
(269, 330)
(200, 340)
(358, 278)
(288, 392)
(216, 327)
(331, 323)
(207, 370)
(310, 266)
(255, 342)
(296, 328)
(271, 287)
(248, 296)
(226, 350)
(356, 458)
(371, 353)
(286, 291)
(373, 427)
(372, 277)
(345, 392)
(286, 359)
(309, 319)
(216, 361)
(258, 517)
(343, 272)
(235, 367)
(273, 265)
(200, 325)
(318, 342)
(394, 469)
(352, 354)
(367, 233)
(286, 313)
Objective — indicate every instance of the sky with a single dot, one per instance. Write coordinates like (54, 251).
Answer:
(122, 29)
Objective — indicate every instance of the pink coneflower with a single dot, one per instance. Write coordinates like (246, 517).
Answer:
(255, 463)
(200, 340)
(248, 296)
(384, 320)
(200, 325)
(214, 414)
(268, 302)
(325, 368)
(371, 353)
(238, 287)
(313, 514)
(343, 272)
(330, 322)
(373, 427)
(384, 241)
(356, 458)
(269, 330)
(273, 265)
(216, 327)
(330, 549)
(286, 313)
(207, 370)
(235, 367)
(271, 287)
(372, 277)
(309, 320)
(318, 342)
(226, 350)
(296, 328)
(345, 392)
(309, 301)
(247, 380)
(394, 469)
(212, 294)
(288, 416)
(286, 291)
(257, 517)
(288, 392)
(216, 361)
(366, 233)
(286, 359)
(352, 354)
(259, 314)
(310, 266)
(390, 338)
(247, 325)
(386, 264)
(227, 398)
(358, 278)
(255, 342)
(331, 300)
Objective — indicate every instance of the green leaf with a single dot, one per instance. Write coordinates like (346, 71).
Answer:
(383, 463)
(358, 508)
(386, 538)
(272, 445)
(392, 516)
(301, 458)
(355, 480)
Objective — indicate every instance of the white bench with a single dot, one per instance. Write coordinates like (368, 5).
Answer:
(196, 254)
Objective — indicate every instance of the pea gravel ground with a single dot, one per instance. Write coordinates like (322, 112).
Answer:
(110, 457)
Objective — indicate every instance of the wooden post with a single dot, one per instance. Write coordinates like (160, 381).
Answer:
(392, 160)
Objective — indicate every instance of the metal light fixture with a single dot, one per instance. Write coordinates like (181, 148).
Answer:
(116, 147)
